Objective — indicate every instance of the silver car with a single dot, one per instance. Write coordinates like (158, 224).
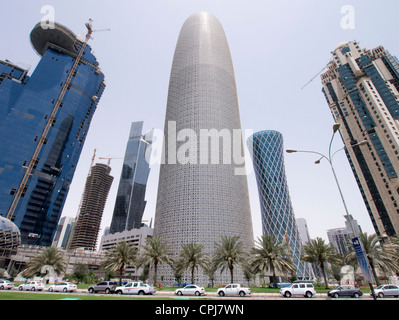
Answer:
(32, 286)
(386, 290)
(191, 290)
(6, 285)
(63, 287)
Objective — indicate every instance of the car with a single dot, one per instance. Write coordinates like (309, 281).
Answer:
(32, 286)
(6, 285)
(233, 289)
(190, 290)
(345, 291)
(298, 289)
(103, 286)
(386, 290)
(63, 287)
(135, 288)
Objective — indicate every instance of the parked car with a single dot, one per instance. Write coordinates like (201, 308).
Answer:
(63, 287)
(298, 289)
(345, 291)
(103, 286)
(6, 285)
(191, 289)
(135, 288)
(234, 290)
(386, 290)
(32, 286)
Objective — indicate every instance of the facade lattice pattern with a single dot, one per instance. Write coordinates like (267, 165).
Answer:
(278, 217)
(200, 201)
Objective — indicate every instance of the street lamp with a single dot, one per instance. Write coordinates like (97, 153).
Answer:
(329, 159)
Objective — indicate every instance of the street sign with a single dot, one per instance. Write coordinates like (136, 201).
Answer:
(363, 260)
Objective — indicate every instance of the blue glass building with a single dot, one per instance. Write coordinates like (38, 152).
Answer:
(44, 120)
(266, 148)
(130, 200)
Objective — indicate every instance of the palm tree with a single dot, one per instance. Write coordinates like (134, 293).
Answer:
(50, 257)
(155, 252)
(192, 256)
(317, 251)
(381, 256)
(270, 254)
(228, 253)
(123, 254)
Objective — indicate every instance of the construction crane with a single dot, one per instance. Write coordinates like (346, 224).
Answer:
(109, 159)
(315, 76)
(51, 120)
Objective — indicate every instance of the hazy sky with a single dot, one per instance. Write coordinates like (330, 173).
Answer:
(276, 47)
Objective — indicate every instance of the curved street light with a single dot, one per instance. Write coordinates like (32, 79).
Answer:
(329, 159)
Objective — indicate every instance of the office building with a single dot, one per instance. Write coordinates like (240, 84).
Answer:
(303, 230)
(130, 200)
(202, 191)
(87, 227)
(340, 238)
(63, 232)
(44, 121)
(278, 219)
(361, 89)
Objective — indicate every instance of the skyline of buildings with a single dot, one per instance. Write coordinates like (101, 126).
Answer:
(361, 88)
(140, 219)
(44, 120)
(278, 219)
(200, 197)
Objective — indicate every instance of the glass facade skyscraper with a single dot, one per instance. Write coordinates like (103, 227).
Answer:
(44, 120)
(362, 91)
(278, 219)
(130, 200)
(200, 195)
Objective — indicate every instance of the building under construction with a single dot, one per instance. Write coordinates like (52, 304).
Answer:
(87, 227)
(44, 121)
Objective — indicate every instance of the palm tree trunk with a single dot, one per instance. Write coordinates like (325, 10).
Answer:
(373, 270)
(324, 275)
(155, 273)
(274, 277)
(120, 275)
(192, 275)
(231, 274)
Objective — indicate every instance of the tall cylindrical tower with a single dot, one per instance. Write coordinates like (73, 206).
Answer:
(202, 193)
(278, 219)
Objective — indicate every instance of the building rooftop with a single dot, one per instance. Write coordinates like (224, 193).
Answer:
(58, 35)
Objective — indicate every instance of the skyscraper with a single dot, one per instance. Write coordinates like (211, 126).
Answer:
(201, 194)
(361, 89)
(278, 219)
(44, 120)
(87, 227)
(130, 200)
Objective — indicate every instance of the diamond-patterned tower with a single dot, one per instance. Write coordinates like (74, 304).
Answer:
(200, 195)
(278, 219)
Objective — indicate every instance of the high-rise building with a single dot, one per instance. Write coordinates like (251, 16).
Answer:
(340, 238)
(44, 120)
(202, 192)
(130, 200)
(87, 227)
(303, 230)
(63, 232)
(361, 88)
(278, 219)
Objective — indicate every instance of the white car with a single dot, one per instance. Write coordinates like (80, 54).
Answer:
(32, 286)
(298, 289)
(135, 288)
(5, 284)
(191, 290)
(233, 289)
(63, 287)
(386, 290)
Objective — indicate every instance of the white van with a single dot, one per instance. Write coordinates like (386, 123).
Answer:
(298, 289)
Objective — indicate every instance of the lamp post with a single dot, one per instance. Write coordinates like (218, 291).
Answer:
(329, 159)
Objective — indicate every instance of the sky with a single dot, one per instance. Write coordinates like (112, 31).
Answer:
(277, 47)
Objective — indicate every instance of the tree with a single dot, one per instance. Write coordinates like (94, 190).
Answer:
(228, 253)
(192, 256)
(80, 271)
(384, 257)
(317, 251)
(155, 252)
(210, 271)
(270, 254)
(123, 254)
(51, 257)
